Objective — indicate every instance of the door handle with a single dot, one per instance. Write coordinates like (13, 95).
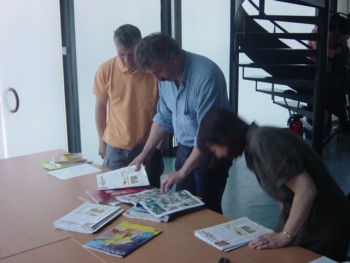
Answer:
(15, 94)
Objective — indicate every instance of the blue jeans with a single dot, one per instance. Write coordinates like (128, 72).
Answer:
(207, 180)
(114, 157)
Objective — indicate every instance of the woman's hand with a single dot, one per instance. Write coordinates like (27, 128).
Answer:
(170, 179)
(270, 240)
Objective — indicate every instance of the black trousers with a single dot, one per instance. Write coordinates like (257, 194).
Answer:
(154, 168)
(207, 180)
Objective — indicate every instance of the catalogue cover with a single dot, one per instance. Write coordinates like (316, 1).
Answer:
(122, 239)
(122, 178)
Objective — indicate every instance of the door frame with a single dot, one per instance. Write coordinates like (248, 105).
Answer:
(70, 75)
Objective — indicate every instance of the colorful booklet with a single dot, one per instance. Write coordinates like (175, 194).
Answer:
(110, 196)
(232, 234)
(88, 218)
(122, 178)
(123, 239)
(159, 204)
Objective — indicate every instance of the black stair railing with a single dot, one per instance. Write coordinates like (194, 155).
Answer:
(287, 66)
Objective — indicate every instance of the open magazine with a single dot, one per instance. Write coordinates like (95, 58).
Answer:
(122, 178)
(232, 234)
(159, 204)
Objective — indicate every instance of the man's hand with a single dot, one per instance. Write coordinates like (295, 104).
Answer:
(139, 159)
(270, 240)
(102, 149)
(169, 180)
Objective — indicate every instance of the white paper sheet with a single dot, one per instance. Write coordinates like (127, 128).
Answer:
(74, 171)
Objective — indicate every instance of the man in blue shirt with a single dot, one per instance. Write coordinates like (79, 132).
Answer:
(189, 85)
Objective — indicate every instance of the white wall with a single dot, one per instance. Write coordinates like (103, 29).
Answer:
(206, 30)
(95, 22)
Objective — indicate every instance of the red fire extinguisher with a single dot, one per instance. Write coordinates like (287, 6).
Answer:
(294, 122)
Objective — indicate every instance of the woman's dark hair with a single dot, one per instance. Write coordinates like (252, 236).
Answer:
(222, 127)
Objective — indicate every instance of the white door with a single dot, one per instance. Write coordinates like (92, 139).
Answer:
(31, 64)
(95, 23)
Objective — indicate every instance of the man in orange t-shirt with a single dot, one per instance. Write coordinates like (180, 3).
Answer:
(126, 101)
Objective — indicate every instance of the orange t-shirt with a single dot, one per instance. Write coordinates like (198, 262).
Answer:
(132, 99)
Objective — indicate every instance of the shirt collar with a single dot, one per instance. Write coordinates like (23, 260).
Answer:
(123, 68)
(185, 77)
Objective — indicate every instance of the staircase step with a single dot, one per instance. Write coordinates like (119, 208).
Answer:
(270, 65)
(281, 93)
(312, 3)
(266, 35)
(314, 20)
(292, 105)
(280, 51)
(298, 83)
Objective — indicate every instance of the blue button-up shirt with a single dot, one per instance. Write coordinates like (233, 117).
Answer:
(180, 109)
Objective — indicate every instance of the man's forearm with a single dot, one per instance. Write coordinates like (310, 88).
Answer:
(100, 120)
(195, 158)
(155, 138)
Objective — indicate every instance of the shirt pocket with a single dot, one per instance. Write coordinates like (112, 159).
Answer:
(190, 124)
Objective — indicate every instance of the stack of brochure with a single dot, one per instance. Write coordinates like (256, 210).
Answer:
(232, 234)
(160, 205)
(69, 158)
(88, 218)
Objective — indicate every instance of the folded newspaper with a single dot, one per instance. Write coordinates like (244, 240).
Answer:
(233, 234)
(159, 204)
(138, 212)
(88, 218)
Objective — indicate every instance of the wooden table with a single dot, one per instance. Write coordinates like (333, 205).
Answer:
(31, 200)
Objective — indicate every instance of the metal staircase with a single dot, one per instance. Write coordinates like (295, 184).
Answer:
(287, 66)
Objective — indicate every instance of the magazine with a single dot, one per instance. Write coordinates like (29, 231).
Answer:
(123, 239)
(88, 218)
(159, 204)
(110, 196)
(232, 234)
(139, 212)
(122, 178)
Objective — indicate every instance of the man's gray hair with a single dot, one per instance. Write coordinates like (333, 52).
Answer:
(127, 35)
(155, 48)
